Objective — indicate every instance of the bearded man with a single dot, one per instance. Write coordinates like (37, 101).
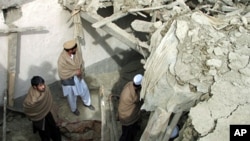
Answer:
(71, 69)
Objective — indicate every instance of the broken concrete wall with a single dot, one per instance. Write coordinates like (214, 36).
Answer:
(201, 58)
(38, 51)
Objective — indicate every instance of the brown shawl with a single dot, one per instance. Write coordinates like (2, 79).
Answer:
(37, 105)
(129, 105)
(67, 67)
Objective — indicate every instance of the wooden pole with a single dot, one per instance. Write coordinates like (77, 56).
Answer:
(171, 126)
(117, 32)
(109, 19)
(105, 129)
(24, 29)
(12, 53)
(4, 115)
(12, 32)
(113, 119)
(156, 124)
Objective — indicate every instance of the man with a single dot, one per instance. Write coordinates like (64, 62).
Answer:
(70, 70)
(129, 108)
(38, 106)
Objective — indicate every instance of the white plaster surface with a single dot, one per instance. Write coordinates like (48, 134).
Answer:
(3, 58)
(39, 51)
(3, 65)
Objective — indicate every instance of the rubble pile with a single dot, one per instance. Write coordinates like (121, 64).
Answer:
(196, 60)
(200, 60)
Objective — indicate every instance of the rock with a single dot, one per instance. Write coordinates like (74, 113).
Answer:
(214, 63)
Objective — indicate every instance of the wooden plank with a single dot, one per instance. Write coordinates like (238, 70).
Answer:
(147, 9)
(112, 29)
(156, 124)
(11, 88)
(12, 32)
(113, 119)
(171, 126)
(111, 18)
(142, 26)
(23, 29)
(106, 129)
(117, 32)
(12, 53)
(101, 92)
(117, 4)
(4, 115)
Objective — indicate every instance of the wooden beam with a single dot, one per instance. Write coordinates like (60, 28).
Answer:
(109, 19)
(143, 26)
(4, 115)
(12, 53)
(156, 124)
(147, 9)
(171, 126)
(117, 32)
(117, 4)
(23, 29)
(13, 32)
(113, 119)
(106, 129)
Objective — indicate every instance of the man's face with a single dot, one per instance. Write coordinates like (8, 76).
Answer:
(41, 87)
(73, 51)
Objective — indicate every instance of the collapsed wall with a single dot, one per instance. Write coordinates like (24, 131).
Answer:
(201, 62)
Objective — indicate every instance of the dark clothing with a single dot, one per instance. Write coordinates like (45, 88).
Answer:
(129, 132)
(68, 82)
(47, 128)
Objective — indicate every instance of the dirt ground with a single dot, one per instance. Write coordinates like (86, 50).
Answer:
(19, 128)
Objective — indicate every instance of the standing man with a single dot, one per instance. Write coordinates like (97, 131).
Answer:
(38, 106)
(70, 70)
(129, 108)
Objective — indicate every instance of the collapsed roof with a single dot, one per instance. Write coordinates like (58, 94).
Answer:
(196, 56)
(197, 50)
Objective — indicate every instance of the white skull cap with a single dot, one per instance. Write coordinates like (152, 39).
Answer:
(175, 132)
(137, 79)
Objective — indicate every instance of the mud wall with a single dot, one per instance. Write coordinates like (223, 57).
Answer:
(37, 52)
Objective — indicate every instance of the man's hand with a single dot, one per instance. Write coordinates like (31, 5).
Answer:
(79, 73)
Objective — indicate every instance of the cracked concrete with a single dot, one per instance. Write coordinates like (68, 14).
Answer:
(228, 105)
(214, 62)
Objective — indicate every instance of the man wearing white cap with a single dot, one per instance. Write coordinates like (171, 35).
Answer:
(129, 108)
(70, 70)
